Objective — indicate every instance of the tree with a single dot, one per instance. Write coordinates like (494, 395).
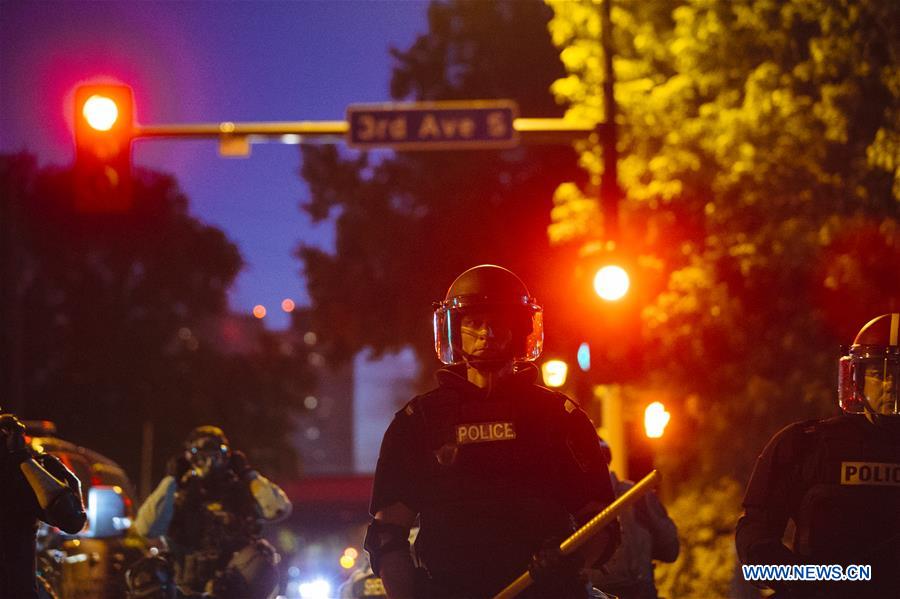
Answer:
(760, 144)
(111, 311)
(408, 224)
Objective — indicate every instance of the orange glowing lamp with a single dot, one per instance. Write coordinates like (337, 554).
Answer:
(656, 418)
(555, 373)
(611, 282)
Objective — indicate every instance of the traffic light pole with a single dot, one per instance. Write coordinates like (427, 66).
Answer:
(609, 183)
(531, 131)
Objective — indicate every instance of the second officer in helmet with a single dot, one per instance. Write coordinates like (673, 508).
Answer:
(837, 480)
(497, 470)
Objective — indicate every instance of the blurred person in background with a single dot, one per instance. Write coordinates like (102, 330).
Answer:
(837, 479)
(209, 508)
(648, 534)
(33, 487)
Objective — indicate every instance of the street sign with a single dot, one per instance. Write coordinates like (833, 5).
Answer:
(464, 125)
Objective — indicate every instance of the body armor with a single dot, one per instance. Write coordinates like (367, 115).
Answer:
(496, 481)
(849, 511)
(210, 524)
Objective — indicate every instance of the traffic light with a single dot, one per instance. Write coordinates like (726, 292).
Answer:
(104, 128)
(611, 282)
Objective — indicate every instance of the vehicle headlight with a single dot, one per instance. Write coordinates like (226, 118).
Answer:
(315, 589)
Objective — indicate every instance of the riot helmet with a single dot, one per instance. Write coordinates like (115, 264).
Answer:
(207, 449)
(869, 371)
(488, 319)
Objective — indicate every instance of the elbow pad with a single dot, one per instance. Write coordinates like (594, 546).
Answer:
(66, 512)
(383, 538)
(155, 515)
(272, 502)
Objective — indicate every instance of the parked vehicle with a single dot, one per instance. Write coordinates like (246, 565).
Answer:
(90, 564)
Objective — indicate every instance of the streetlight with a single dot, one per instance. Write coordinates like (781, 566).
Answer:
(554, 373)
(655, 420)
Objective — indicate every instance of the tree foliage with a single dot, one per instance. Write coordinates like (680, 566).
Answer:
(112, 310)
(707, 561)
(408, 224)
(760, 143)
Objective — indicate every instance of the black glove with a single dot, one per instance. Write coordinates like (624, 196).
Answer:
(240, 465)
(177, 466)
(191, 481)
(553, 571)
(12, 439)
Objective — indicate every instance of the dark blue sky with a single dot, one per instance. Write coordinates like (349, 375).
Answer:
(206, 62)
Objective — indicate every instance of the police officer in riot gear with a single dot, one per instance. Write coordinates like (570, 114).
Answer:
(497, 469)
(33, 486)
(837, 479)
(209, 508)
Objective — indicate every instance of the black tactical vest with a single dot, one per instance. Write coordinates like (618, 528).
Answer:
(849, 508)
(493, 488)
(208, 528)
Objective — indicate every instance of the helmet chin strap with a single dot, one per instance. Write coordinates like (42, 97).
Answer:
(891, 423)
(888, 423)
(489, 365)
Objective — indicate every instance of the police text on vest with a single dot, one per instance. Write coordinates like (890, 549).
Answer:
(870, 473)
(482, 432)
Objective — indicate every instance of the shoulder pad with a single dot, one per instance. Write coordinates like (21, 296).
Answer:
(554, 401)
(564, 401)
(794, 439)
(820, 426)
(804, 427)
(407, 410)
(809, 427)
(412, 406)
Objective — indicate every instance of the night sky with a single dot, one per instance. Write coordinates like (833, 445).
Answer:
(208, 62)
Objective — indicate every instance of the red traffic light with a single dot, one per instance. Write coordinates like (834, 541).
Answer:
(611, 282)
(100, 112)
(104, 128)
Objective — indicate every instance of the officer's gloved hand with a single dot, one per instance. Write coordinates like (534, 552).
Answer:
(191, 480)
(190, 488)
(177, 466)
(240, 465)
(551, 570)
(12, 439)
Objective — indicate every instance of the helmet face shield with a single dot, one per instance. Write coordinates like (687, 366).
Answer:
(868, 384)
(208, 455)
(469, 330)
(868, 375)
